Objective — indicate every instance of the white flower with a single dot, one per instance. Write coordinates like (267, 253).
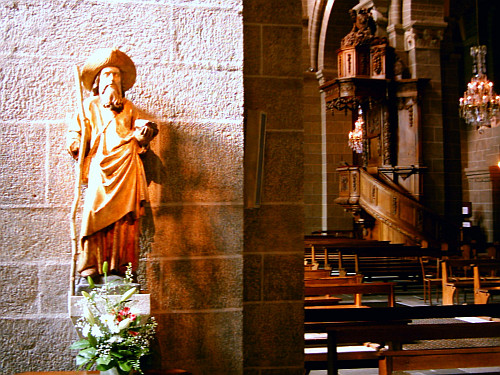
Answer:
(109, 321)
(114, 339)
(88, 315)
(85, 330)
(105, 319)
(124, 324)
(96, 331)
(113, 327)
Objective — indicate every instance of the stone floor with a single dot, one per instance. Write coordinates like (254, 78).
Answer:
(411, 296)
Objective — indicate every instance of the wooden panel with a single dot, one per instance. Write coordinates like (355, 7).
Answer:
(397, 210)
(412, 332)
(400, 313)
(446, 359)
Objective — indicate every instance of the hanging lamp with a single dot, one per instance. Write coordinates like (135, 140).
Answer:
(356, 135)
(480, 103)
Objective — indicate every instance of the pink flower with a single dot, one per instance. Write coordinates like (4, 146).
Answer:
(133, 333)
(126, 313)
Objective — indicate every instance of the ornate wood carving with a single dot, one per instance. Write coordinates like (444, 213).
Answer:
(387, 137)
(408, 104)
(379, 59)
(348, 93)
(389, 206)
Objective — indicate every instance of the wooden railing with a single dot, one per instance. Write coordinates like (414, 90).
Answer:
(358, 191)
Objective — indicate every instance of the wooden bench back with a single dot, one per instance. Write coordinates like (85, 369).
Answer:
(316, 274)
(486, 281)
(334, 280)
(387, 314)
(349, 288)
(450, 267)
(356, 289)
(412, 332)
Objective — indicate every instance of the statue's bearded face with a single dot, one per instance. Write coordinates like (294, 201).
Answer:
(110, 88)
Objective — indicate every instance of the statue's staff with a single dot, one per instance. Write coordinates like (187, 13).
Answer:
(78, 177)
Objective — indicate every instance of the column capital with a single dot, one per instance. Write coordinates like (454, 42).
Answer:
(423, 35)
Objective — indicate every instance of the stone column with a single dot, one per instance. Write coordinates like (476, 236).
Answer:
(395, 31)
(483, 192)
(423, 25)
(273, 254)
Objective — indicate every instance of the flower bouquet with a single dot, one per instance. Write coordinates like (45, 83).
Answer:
(114, 335)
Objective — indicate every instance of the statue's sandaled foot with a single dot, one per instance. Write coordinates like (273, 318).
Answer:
(92, 272)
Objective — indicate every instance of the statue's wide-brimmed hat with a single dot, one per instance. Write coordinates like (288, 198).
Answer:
(107, 57)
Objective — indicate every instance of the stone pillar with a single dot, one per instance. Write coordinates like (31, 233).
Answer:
(395, 31)
(484, 193)
(423, 24)
(273, 340)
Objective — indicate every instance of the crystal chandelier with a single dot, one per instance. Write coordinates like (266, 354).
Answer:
(356, 136)
(479, 103)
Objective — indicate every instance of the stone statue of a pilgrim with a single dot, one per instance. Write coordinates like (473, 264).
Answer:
(116, 136)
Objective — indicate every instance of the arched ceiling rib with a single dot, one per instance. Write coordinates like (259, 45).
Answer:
(330, 21)
(315, 27)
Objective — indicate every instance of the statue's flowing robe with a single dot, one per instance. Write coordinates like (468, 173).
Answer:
(117, 188)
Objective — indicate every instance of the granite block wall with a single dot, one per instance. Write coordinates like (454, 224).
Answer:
(225, 283)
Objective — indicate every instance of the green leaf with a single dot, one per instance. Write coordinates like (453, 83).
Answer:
(92, 340)
(105, 367)
(125, 353)
(105, 268)
(125, 366)
(105, 361)
(88, 353)
(117, 355)
(80, 360)
(80, 344)
(91, 282)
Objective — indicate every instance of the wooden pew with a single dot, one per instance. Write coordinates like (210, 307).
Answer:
(356, 289)
(369, 257)
(401, 269)
(451, 282)
(327, 299)
(321, 320)
(316, 352)
(318, 294)
(485, 287)
(316, 274)
(333, 280)
(396, 359)
(387, 314)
